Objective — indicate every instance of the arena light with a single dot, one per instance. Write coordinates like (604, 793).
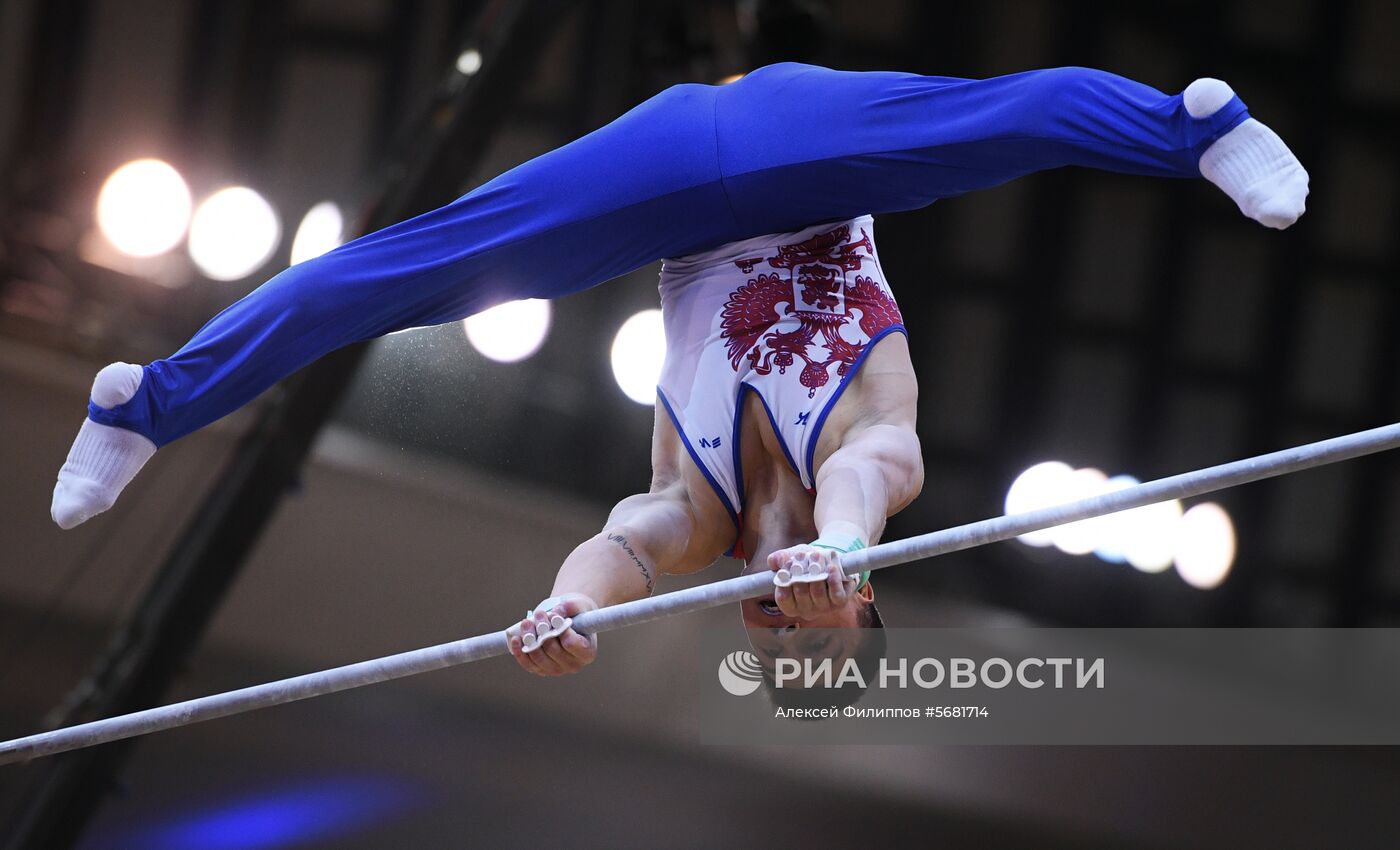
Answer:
(638, 351)
(1205, 546)
(1150, 536)
(233, 233)
(1200, 542)
(468, 62)
(321, 229)
(511, 331)
(1040, 486)
(1115, 530)
(143, 208)
(1079, 538)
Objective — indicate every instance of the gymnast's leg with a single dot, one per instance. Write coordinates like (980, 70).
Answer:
(693, 168)
(816, 145)
(643, 187)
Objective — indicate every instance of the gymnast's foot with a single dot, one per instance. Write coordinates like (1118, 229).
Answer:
(1250, 163)
(103, 459)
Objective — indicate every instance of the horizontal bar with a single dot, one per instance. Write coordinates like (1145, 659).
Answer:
(1183, 486)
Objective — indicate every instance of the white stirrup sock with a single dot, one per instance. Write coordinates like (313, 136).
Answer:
(1250, 163)
(103, 459)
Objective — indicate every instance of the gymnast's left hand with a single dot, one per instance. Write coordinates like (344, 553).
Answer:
(563, 650)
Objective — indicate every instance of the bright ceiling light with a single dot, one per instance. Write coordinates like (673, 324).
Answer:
(511, 331)
(1115, 530)
(468, 62)
(1150, 535)
(234, 232)
(638, 351)
(1205, 545)
(321, 229)
(1201, 541)
(144, 208)
(1080, 538)
(1041, 486)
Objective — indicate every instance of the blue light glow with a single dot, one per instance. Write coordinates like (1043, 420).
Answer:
(287, 816)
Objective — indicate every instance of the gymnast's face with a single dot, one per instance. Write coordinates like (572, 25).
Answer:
(804, 641)
(763, 614)
(836, 634)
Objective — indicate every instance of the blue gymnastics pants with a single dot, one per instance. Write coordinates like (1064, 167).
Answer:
(696, 166)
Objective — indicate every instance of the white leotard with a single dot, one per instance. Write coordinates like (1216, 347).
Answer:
(789, 317)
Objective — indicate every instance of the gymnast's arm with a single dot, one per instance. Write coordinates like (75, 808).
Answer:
(878, 468)
(869, 468)
(646, 536)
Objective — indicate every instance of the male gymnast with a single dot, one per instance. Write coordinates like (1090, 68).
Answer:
(785, 414)
(694, 168)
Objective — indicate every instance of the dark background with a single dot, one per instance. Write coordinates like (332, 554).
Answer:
(1135, 325)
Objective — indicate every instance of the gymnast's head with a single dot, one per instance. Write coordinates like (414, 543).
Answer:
(805, 651)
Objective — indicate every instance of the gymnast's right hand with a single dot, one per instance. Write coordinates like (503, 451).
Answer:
(562, 650)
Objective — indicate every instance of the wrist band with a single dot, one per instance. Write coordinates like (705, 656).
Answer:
(856, 543)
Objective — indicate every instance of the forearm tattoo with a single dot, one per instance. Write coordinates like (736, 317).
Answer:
(627, 547)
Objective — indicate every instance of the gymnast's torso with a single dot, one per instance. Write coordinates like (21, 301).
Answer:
(766, 339)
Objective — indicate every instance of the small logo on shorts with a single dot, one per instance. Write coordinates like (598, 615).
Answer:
(739, 673)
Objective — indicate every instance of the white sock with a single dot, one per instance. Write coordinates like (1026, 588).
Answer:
(103, 459)
(1250, 163)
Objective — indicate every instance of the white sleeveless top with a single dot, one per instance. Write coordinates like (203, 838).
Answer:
(789, 317)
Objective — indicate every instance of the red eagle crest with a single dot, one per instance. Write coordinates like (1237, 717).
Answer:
(811, 284)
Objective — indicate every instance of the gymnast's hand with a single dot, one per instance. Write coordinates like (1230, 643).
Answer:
(545, 643)
(808, 581)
